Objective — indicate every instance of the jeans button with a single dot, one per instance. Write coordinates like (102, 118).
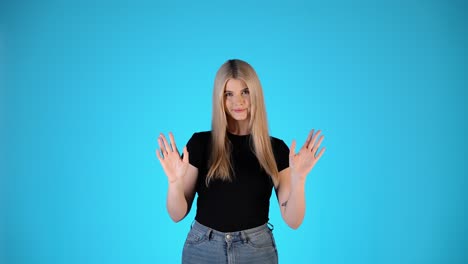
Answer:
(228, 236)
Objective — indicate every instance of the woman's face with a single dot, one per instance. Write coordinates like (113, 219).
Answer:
(237, 100)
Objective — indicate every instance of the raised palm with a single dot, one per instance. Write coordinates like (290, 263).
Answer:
(303, 162)
(169, 157)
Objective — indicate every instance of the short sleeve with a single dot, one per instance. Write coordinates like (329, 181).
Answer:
(194, 147)
(281, 151)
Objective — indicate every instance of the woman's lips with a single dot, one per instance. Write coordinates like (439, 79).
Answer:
(239, 110)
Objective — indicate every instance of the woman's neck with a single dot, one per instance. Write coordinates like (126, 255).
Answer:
(239, 128)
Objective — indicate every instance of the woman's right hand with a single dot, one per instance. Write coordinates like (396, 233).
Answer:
(168, 155)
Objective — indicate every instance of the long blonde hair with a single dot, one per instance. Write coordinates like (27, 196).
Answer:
(220, 162)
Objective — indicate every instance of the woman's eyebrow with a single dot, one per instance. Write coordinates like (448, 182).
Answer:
(227, 91)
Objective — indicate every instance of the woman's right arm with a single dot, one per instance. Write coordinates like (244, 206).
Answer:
(180, 194)
(181, 175)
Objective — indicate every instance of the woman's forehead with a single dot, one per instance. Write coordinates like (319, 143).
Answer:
(235, 85)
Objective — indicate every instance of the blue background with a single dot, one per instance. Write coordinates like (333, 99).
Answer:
(88, 86)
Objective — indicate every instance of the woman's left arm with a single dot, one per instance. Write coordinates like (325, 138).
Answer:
(291, 186)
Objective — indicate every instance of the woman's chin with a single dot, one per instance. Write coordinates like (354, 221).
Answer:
(240, 118)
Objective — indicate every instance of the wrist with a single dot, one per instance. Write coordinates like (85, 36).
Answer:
(175, 184)
(297, 181)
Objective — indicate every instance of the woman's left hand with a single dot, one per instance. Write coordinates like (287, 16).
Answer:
(303, 162)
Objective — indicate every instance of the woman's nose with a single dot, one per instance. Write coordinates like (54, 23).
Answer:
(238, 99)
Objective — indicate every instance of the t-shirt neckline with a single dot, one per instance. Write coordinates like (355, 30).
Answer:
(237, 136)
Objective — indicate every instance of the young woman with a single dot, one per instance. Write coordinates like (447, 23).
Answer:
(234, 168)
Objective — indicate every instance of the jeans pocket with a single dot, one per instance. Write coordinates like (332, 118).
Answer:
(195, 237)
(261, 240)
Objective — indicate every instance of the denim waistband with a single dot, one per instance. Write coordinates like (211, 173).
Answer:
(242, 235)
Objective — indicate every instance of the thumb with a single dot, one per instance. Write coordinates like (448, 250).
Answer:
(292, 149)
(186, 155)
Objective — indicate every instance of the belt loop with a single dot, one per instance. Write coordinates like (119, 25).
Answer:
(272, 226)
(209, 233)
(191, 225)
(243, 236)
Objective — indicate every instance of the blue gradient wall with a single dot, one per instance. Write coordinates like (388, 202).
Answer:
(90, 85)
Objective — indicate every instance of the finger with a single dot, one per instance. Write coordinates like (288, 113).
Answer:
(186, 157)
(317, 146)
(171, 137)
(166, 144)
(161, 146)
(160, 158)
(306, 143)
(292, 149)
(320, 154)
(312, 141)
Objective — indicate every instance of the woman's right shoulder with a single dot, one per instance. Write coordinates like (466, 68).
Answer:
(203, 133)
(202, 136)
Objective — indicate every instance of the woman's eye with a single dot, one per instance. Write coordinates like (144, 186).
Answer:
(246, 92)
(228, 94)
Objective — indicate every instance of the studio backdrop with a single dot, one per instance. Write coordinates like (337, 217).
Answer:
(87, 86)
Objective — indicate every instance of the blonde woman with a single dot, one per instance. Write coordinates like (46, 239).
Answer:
(234, 168)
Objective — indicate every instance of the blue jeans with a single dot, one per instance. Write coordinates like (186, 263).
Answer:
(206, 245)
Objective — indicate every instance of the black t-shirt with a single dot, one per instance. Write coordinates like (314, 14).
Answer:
(244, 202)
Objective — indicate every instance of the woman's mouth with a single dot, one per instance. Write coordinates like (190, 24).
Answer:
(238, 110)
